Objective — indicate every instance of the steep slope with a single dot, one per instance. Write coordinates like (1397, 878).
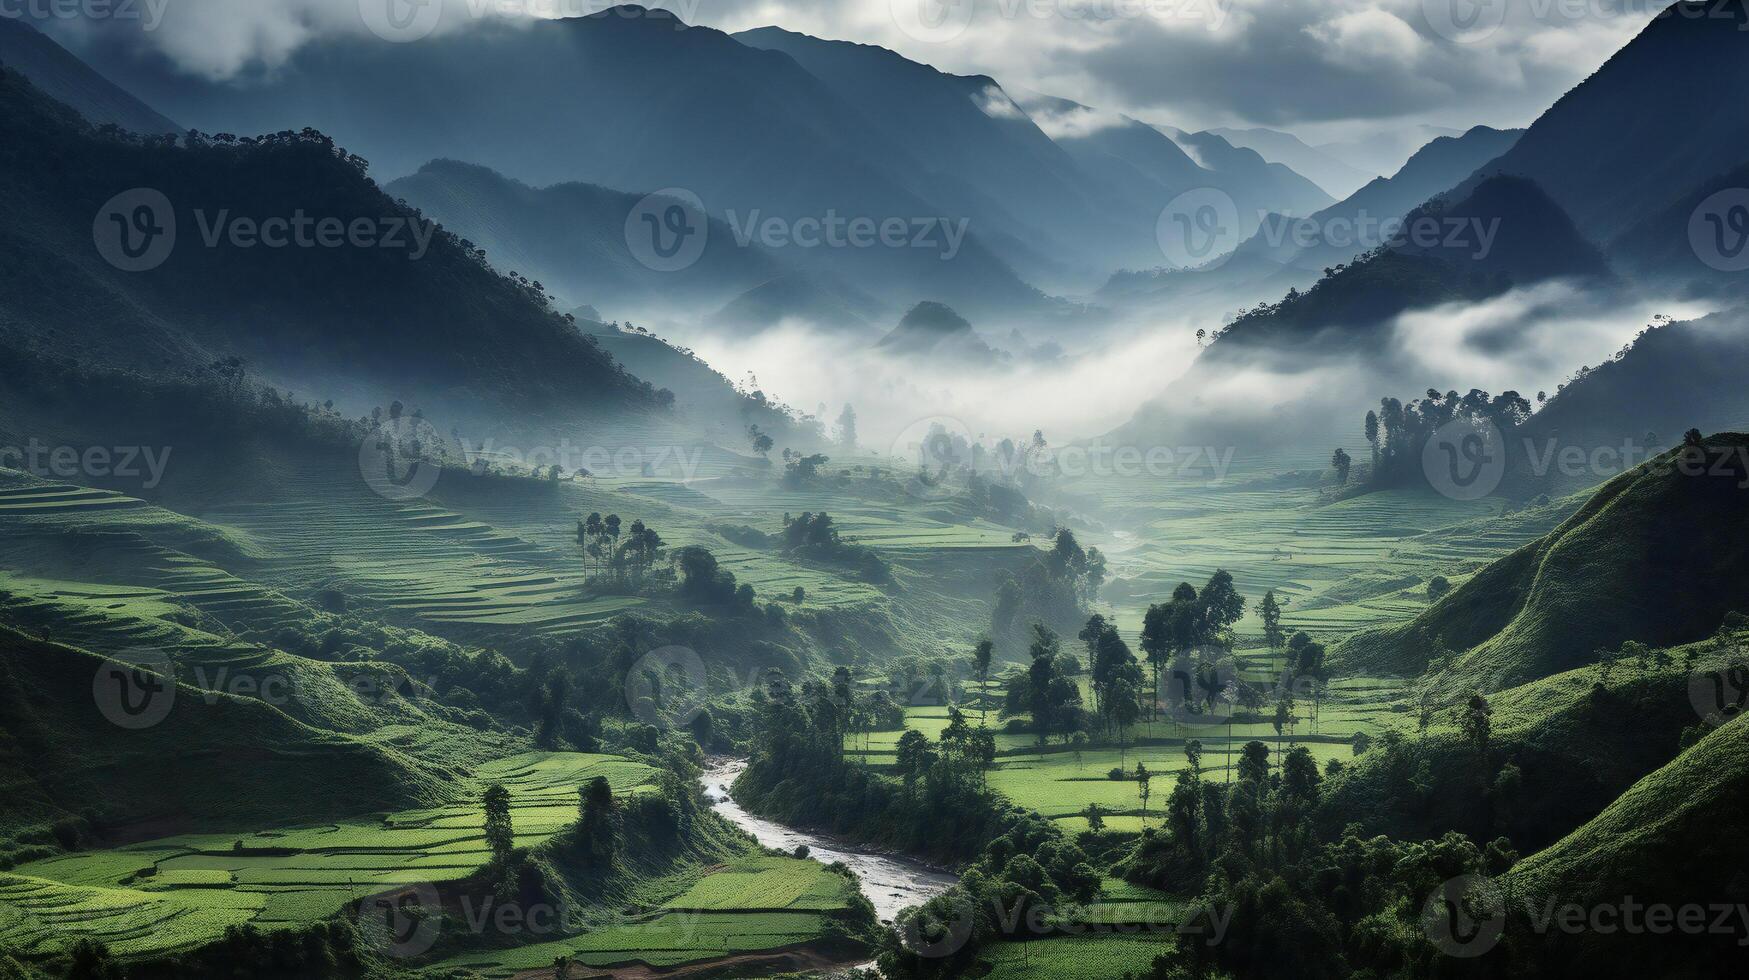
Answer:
(1507, 232)
(1633, 137)
(1577, 741)
(1659, 555)
(1288, 253)
(1677, 838)
(212, 759)
(1333, 176)
(408, 306)
(1693, 243)
(65, 78)
(650, 103)
(981, 154)
(1674, 377)
(573, 238)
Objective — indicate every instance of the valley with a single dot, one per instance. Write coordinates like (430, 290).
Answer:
(751, 492)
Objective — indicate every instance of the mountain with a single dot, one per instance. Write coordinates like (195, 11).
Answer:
(1384, 151)
(1288, 253)
(637, 101)
(936, 331)
(403, 307)
(66, 79)
(1673, 377)
(1507, 232)
(981, 154)
(1658, 556)
(1336, 178)
(1630, 140)
(1691, 245)
(573, 239)
(1247, 169)
(1036, 177)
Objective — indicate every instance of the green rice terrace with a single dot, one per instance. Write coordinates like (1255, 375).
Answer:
(179, 892)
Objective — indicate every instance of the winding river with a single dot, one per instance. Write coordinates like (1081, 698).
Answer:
(891, 883)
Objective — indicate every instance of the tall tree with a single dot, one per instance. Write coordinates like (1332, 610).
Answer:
(982, 655)
(500, 838)
(1270, 611)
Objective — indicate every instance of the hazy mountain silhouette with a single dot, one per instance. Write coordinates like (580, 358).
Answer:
(1657, 120)
(65, 78)
(1334, 176)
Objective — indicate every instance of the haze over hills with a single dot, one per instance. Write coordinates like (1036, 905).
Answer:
(1287, 253)
(1338, 178)
(572, 238)
(1408, 604)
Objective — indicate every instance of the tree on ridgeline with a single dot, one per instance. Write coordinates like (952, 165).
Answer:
(1340, 461)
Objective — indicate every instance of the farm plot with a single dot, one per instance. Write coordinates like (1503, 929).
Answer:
(748, 905)
(177, 892)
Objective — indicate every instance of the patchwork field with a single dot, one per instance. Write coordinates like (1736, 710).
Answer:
(179, 892)
(749, 905)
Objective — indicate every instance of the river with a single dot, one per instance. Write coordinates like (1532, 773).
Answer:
(890, 883)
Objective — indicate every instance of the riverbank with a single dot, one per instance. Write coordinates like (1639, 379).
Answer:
(890, 882)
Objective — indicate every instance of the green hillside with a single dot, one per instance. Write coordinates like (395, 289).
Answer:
(1677, 838)
(1658, 555)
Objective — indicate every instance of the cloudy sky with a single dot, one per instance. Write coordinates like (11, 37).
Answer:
(1325, 69)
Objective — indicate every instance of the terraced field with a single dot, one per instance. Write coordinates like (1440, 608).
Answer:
(750, 905)
(178, 892)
